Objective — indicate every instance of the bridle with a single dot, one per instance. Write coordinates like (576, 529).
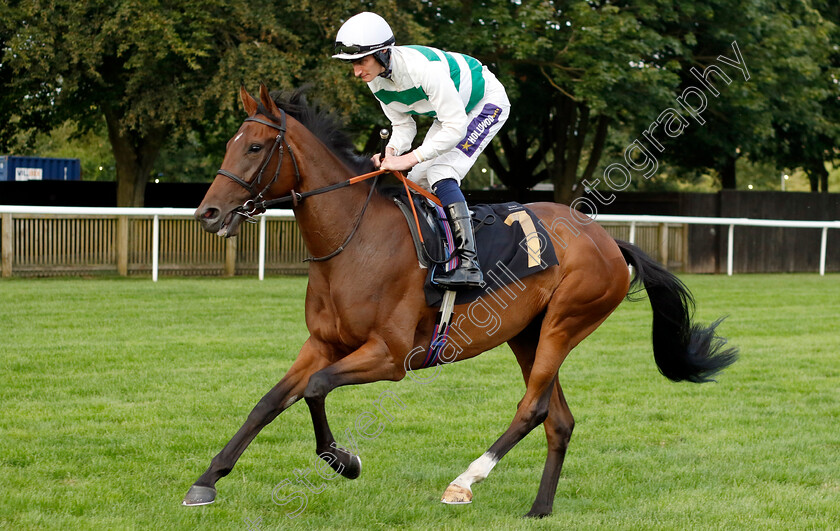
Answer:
(256, 205)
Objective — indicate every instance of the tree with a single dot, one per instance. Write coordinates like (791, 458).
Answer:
(578, 71)
(11, 122)
(574, 69)
(777, 115)
(165, 74)
(150, 69)
(809, 139)
(582, 76)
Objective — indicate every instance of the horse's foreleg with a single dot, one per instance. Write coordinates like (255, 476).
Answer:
(287, 391)
(370, 363)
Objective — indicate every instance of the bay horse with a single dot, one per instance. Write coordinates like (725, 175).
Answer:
(366, 311)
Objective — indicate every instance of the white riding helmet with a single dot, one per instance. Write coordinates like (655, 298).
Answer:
(362, 34)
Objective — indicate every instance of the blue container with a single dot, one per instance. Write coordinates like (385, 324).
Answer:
(13, 168)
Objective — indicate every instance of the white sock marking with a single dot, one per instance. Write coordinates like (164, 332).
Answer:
(477, 471)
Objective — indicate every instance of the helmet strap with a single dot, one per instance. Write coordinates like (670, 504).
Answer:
(384, 58)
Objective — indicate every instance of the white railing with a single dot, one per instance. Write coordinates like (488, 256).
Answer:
(731, 223)
(8, 211)
(156, 214)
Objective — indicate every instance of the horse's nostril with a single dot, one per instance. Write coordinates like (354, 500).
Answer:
(210, 213)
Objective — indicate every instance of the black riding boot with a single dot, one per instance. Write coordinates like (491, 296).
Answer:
(468, 274)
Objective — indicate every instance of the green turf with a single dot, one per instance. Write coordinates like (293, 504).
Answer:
(117, 393)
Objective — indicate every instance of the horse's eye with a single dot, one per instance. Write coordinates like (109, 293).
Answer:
(254, 148)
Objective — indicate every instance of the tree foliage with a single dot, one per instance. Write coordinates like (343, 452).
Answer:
(148, 68)
(806, 126)
(572, 68)
(779, 115)
(585, 78)
(163, 73)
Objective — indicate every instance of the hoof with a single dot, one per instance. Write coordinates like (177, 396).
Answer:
(198, 495)
(354, 469)
(537, 514)
(348, 465)
(456, 495)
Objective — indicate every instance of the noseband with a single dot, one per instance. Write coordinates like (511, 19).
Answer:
(255, 205)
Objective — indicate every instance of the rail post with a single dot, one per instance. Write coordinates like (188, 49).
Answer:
(730, 251)
(261, 273)
(823, 240)
(230, 257)
(122, 246)
(8, 251)
(155, 246)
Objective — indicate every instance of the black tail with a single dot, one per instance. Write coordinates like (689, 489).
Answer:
(682, 350)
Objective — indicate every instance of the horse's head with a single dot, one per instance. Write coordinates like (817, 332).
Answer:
(255, 167)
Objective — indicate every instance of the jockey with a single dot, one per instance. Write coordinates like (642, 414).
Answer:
(468, 105)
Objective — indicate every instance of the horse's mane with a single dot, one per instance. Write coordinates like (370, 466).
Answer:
(325, 125)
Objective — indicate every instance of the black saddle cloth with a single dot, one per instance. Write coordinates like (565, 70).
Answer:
(510, 242)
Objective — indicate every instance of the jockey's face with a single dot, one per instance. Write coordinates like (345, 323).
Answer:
(367, 68)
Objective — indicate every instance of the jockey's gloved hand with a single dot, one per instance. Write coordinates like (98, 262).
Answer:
(377, 162)
(401, 163)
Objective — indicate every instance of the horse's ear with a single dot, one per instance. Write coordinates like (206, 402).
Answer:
(267, 102)
(248, 102)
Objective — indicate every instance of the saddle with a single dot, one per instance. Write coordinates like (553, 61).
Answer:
(510, 240)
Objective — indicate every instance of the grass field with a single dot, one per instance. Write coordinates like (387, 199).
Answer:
(117, 393)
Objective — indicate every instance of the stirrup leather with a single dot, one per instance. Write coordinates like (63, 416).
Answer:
(468, 273)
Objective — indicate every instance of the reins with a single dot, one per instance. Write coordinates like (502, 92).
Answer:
(297, 197)
(257, 205)
(352, 232)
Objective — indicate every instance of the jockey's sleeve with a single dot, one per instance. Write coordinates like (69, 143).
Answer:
(449, 108)
(404, 129)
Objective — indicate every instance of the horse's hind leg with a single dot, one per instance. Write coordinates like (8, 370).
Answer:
(558, 427)
(571, 315)
(533, 409)
(558, 431)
